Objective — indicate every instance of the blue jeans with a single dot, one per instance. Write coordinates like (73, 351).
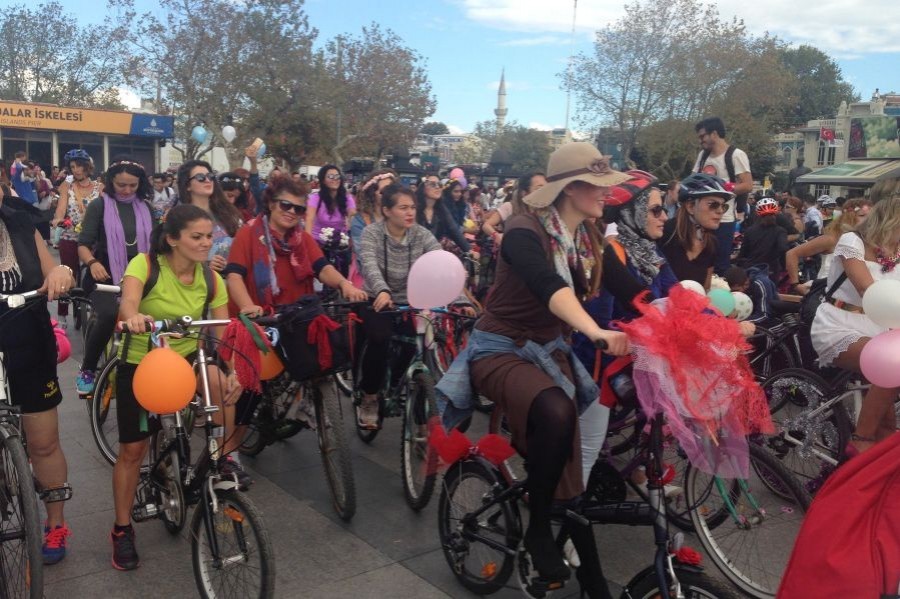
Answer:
(724, 245)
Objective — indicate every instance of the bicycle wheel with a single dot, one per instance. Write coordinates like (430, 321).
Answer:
(694, 585)
(21, 561)
(481, 568)
(770, 355)
(173, 507)
(365, 435)
(753, 545)
(104, 425)
(243, 564)
(418, 460)
(333, 448)
(812, 427)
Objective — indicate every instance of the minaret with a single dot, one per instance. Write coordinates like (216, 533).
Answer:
(501, 110)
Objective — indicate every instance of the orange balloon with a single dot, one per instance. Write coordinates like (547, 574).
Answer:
(270, 365)
(164, 382)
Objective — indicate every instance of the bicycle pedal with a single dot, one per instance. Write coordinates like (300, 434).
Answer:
(141, 513)
(56, 494)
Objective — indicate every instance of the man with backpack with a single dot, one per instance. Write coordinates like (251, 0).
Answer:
(163, 196)
(719, 158)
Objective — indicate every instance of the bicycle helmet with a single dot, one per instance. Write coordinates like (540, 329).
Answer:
(826, 201)
(76, 154)
(767, 206)
(623, 193)
(699, 185)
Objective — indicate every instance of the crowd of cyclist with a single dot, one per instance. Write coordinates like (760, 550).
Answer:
(545, 271)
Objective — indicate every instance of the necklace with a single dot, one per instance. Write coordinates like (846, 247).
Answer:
(887, 262)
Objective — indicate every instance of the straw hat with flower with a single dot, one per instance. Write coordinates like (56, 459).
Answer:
(577, 161)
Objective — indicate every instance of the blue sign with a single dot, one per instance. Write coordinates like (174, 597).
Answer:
(153, 125)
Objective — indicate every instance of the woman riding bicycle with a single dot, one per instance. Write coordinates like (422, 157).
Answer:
(272, 263)
(28, 345)
(369, 204)
(689, 241)
(549, 262)
(180, 248)
(331, 207)
(387, 251)
(74, 198)
(841, 329)
(115, 229)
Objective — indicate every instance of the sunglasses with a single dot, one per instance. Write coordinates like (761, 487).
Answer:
(203, 177)
(333, 177)
(287, 206)
(237, 180)
(657, 211)
(432, 184)
(716, 206)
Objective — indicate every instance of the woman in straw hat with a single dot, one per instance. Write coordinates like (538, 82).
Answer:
(517, 355)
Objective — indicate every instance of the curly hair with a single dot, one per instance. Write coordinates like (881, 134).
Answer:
(222, 210)
(279, 186)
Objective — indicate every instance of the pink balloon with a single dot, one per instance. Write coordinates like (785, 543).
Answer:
(63, 345)
(435, 279)
(457, 173)
(880, 360)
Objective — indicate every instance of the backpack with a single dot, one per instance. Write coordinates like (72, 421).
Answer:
(741, 200)
(849, 544)
(208, 277)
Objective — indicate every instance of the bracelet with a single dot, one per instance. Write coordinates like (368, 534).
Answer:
(71, 274)
(92, 262)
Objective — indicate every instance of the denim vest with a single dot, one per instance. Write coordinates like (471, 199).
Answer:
(454, 391)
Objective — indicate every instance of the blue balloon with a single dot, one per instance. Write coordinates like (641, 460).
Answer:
(262, 151)
(199, 133)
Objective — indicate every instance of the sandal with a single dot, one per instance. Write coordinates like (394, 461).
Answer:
(367, 415)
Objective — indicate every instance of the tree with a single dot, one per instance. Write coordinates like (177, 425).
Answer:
(434, 128)
(528, 149)
(820, 85)
(378, 90)
(45, 56)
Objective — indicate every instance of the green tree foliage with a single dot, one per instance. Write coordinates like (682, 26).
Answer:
(46, 56)
(528, 149)
(820, 86)
(434, 128)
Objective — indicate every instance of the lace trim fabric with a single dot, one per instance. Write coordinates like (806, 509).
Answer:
(828, 356)
(850, 246)
(10, 275)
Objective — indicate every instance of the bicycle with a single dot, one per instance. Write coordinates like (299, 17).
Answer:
(227, 529)
(479, 519)
(411, 397)
(21, 560)
(275, 419)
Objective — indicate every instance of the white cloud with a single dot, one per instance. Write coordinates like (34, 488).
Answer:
(455, 129)
(837, 27)
(129, 99)
(542, 126)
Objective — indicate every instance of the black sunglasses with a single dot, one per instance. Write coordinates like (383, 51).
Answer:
(716, 205)
(287, 206)
(237, 180)
(657, 211)
(203, 177)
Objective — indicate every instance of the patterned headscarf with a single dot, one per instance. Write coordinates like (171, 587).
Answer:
(642, 252)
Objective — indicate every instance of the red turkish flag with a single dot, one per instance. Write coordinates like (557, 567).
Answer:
(826, 134)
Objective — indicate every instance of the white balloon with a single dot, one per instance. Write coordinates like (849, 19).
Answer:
(743, 305)
(229, 133)
(693, 286)
(881, 303)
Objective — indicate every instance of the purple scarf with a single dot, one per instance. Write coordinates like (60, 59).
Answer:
(115, 234)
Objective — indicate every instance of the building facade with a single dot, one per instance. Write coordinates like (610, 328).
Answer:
(46, 132)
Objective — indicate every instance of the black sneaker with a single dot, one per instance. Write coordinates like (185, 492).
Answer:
(228, 466)
(124, 555)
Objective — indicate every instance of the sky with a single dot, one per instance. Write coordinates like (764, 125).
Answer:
(468, 42)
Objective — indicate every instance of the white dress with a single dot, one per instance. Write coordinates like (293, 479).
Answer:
(834, 330)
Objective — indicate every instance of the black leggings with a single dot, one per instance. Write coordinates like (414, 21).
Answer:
(105, 308)
(377, 330)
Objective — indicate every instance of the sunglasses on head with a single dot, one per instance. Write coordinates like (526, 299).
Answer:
(657, 211)
(287, 206)
(237, 180)
(333, 177)
(203, 177)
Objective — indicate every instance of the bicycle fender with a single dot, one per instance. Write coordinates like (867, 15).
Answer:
(225, 485)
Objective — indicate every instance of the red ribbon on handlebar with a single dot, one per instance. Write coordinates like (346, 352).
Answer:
(317, 335)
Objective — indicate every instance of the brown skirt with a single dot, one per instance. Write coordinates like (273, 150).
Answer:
(513, 384)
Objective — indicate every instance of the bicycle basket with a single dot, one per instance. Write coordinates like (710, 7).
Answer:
(312, 344)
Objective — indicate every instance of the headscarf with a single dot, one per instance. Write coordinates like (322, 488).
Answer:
(642, 252)
(115, 234)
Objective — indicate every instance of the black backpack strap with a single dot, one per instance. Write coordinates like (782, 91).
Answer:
(209, 277)
(834, 287)
(729, 164)
(152, 275)
(704, 156)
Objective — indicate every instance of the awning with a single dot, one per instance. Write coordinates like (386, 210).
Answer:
(855, 173)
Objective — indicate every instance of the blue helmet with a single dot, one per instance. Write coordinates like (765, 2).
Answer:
(699, 185)
(76, 154)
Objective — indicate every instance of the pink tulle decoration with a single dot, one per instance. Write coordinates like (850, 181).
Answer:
(689, 365)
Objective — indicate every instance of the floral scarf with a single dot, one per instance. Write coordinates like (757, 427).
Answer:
(266, 249)
(572, 254)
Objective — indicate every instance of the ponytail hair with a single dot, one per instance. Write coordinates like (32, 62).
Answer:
(177, 220)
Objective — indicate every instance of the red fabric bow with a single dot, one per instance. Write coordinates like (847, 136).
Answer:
(688, 556)
(455, 446)
(238, 340)
(317, 335)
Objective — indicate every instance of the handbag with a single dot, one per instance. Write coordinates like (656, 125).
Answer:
(313, 345)
(818, 294)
